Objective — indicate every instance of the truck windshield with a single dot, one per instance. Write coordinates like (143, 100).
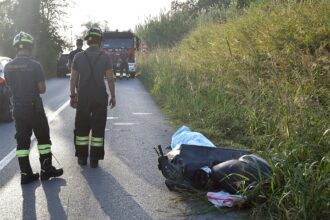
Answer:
(117, 43)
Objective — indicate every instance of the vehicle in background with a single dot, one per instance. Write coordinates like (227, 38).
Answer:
(6, 104)
(62, 65)
(121, 46)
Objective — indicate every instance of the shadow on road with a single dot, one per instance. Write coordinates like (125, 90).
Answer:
(52, 190)
(29, 201)
(115, 201)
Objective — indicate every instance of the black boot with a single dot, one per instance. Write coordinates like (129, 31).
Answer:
(94, 163)
(82, 161)
(50, 173)
(47, 170)
(27, 176)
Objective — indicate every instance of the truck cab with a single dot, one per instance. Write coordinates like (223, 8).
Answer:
(121, 46)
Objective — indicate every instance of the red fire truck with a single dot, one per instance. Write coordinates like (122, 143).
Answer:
(121, 46)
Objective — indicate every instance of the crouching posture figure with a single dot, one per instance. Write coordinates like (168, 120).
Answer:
(26, 80)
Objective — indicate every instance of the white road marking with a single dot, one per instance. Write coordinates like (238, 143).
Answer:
(112, 118)
(6, 160)
(124, 124)
(142, 113)
(52, 117)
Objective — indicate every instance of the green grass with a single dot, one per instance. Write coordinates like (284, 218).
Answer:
(260, 80)
(166, 29)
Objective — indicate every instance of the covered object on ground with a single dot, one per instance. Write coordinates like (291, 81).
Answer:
(205, 168)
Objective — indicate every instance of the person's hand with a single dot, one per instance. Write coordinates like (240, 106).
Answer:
(74, 101)
(112, 102)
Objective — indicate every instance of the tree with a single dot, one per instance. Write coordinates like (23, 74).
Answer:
(49, 42)
(41, 19)
(195, 6)
(103, 25)
(6, 28)
(178, 6)
(26, 16)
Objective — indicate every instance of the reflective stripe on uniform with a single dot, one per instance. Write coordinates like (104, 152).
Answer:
(44, 149)
(44, 146)
(97, 141)
(82, 143)
(47, 151)
(22, 153)
(82, 140)
(94, 144)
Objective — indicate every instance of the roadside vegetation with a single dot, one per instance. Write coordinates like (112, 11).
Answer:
(255, 76)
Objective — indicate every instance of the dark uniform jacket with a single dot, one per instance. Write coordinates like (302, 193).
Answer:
(91, 66)
(23, 75)
(71, 56)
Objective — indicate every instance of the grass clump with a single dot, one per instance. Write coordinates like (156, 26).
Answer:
(260, 80)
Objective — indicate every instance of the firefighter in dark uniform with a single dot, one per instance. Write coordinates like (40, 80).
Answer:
(90, 98)
(26, 80)
(79, 44)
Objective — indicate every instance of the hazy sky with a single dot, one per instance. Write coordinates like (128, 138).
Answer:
(120, 14)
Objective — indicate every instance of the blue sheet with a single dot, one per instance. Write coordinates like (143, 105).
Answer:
(185, 135)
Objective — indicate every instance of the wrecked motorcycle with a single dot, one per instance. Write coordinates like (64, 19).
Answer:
(204, 168)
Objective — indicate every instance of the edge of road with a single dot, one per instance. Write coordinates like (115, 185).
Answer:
(9, 157)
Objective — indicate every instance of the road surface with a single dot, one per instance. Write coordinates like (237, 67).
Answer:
(127, 185)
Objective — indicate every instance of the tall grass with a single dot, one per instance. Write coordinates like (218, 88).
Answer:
(260, 80)
(165, 30)
(169, 28)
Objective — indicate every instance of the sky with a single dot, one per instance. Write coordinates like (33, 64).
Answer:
(120, 14)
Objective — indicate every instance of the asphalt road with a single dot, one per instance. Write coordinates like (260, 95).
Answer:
(127, 185)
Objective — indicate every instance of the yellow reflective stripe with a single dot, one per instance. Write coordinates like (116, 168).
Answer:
(96, 144)
(95, 33)
(44, 146)
(22, 153)
(82, 138)
(47, 151)
(82, 143)
(26, 40)
(95, 139)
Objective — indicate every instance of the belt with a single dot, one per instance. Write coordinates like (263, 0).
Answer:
(23, 104)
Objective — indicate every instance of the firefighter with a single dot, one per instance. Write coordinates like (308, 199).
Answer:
(26, 80)
(79, 44)
(90, 98)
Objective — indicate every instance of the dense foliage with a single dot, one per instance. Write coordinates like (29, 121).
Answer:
(41, 18)
(259, 80)
(169, 28)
